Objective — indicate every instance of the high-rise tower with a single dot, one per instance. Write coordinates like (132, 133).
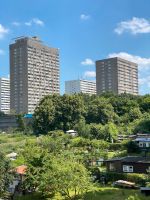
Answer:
(5, 95)
(116, 75)
(34, 73)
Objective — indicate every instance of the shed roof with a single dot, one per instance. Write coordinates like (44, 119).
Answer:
(135, 159)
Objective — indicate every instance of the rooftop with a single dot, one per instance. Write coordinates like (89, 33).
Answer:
(136, 159)
(21, 169)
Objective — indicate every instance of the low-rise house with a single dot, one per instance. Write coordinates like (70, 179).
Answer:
(143, 142)
(128, 164)
(125, 137)
(72, 133)
(135, 137)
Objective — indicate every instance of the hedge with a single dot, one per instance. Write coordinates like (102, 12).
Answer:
(139, 179)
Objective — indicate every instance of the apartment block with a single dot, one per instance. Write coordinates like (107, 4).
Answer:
(116, 75)
(80, 86)
(34, 73)
(5, 95)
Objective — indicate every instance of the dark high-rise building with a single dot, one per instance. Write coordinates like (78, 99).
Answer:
(34, 73)
(116, 75)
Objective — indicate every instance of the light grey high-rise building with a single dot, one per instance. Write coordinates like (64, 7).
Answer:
(116, 75)
(5, 95)
(34, 73)
(80, 86)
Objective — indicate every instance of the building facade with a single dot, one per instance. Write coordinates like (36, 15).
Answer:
(116, 75)
(5, 95)
(128, 164)
(80, 86)
(34, 73)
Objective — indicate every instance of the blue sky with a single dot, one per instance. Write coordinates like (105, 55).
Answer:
(84, 30)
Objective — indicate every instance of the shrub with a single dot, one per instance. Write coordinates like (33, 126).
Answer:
(116, 146)
(120, 154)
(132, 147)
(139, 179)
(131, 197)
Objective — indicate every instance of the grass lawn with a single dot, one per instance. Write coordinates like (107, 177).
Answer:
(109, 193)
(106, 193)
(13, 142)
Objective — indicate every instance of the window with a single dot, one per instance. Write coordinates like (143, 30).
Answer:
(127, 168)
(140, 144)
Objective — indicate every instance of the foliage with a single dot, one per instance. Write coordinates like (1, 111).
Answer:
(133, 197)
(132, 147)
(21, 123)
(58, 112)
(13, 142)
(143, 126)
(52, 174)
(96, 117)
(116, 146)
(139, 179)
(44, 116)
(5, 176)
(109, 193)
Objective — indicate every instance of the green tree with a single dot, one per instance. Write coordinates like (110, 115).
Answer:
(58, 113)
(145, 103)
(21, 123)
(142, 125)
(70, 112)
(100, 111)
(5, 175)
(123, 103)
(97, 131)
(44, 116)
(65, 176)
(132, 147)
(111, 132)
(52, 173)
(82, 128)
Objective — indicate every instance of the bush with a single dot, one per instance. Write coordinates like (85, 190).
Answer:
(132, 147)
(139, 179)
(116, 146)
(120, 154)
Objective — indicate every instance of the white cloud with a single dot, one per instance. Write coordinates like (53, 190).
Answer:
(16, 24)
(143, 63)
(34, 21)
(28, 23)
(38, 21)
(134, 26)
(87, 61)
(90, 74)
(3, 31)
(145, 81)
(84, 17)
(2, 52)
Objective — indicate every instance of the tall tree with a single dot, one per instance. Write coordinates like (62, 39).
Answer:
(44, 116)
(5, 175)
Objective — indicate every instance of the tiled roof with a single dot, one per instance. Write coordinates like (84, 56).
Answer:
(21, 169)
